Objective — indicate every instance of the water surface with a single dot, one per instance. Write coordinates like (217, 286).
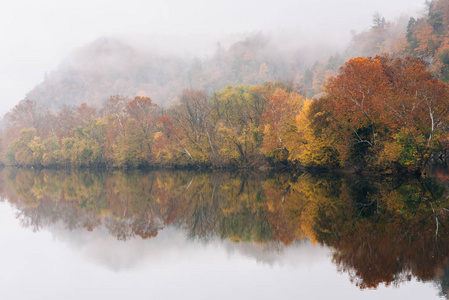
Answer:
(167, 235)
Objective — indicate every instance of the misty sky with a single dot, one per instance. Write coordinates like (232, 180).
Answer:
(37, 35)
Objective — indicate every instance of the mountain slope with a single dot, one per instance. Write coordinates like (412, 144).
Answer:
(108, 67)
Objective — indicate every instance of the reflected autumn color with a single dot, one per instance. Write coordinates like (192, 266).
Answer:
(381, 231)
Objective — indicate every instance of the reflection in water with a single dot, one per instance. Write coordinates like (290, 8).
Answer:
(379, 231)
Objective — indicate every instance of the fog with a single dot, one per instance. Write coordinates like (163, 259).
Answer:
(37, 35)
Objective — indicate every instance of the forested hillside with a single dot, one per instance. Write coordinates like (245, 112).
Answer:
(428, 37)
(246, 106)
(111, 67)
(425, 37)
(384, 113)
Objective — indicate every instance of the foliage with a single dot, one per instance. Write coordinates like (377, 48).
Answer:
(383, 111)
(380, 113)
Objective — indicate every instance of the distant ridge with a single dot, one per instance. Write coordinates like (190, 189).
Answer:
(109, 66)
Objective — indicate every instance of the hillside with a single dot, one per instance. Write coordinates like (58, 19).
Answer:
(108, 67)
(385, 110)
(428, 38)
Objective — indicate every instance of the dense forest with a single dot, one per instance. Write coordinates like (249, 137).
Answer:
(384, 112)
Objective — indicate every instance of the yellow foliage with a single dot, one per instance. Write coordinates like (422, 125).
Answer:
(158, 135)
(309, 149)
(391, 152)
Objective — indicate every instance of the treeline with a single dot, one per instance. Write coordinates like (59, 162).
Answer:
(238, 126)
(379, 113)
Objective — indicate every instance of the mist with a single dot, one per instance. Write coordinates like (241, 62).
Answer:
(41, 35)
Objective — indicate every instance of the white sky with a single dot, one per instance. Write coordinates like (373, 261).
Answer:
(37, 34)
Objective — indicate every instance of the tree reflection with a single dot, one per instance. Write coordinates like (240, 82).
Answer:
(380, 231)
(384, 233)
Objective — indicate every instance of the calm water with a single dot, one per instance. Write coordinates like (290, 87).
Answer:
(171, 235)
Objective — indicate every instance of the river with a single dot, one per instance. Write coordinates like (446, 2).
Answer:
(222, 235)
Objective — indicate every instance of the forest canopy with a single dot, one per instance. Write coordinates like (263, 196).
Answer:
(383, 113)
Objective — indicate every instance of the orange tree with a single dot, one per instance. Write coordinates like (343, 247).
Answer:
(384, 112)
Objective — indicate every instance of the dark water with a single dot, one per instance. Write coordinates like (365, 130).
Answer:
(167, 235)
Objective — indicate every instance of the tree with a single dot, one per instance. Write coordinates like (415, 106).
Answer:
(378, 21)
(27, 115)
(113, 110)
(168, 146)
(133, 148)
(86, 147)
(196, 131)
(281, 106)
(237, 111)
(25, 149)
(313, 144)
(377, 102)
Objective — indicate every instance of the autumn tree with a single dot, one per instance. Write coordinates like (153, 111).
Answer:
(25, 149)
(282, 104)
(65, 121)
(27, 114)
(134, 148)
(384, 110)
(113, 111)
(196, 134)
(170, 143)
(314, 143)
(427, 37)
(237, 111)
